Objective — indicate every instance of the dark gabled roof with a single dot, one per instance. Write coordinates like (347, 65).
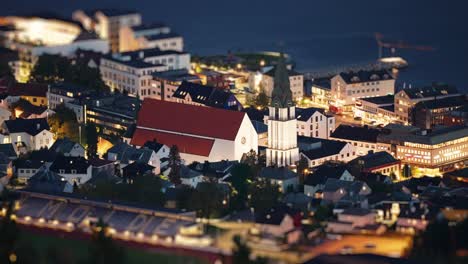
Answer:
(28, 109)
(127, 154)
(321, 82)
(277, 173)
(187, 173)
(332, 185)
(374, 160)
(456, 101)
(324, 172)
(97, 162)
(176, 75)
(8, 149)
(29, 126)
(260, 127)
(380, 100)
(23, 163)
(356, 133)
(67, 164)
(436, 89)
(86, 35)
(137, 168)
(275, 215)
(46, 181)
(435, 136)
(155, 146)
(199, 93)
(304, 114)
(366, 76)
(326, 148)
(43, 155)
(63, 145)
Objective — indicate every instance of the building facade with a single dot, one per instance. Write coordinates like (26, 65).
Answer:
(149, 36)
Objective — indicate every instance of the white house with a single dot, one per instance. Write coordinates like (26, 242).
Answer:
(364, 139)
(316, 181)
(27, 134)
(317, 151)
(74, 169)
(314, 122)
(68, 148)
(349, 86)
(200, 133)
(125, 154)
(355, 220)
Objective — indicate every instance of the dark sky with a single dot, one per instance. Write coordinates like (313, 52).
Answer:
(318, 33)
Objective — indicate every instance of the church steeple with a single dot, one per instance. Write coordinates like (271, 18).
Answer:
(281, 96)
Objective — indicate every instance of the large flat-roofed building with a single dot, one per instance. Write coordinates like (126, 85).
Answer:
(432, 151)
(132, 71)
(364, 139)
(347, 87)
(200, 133)
(379, 110)
(33, 36)
(406, 99)
(155, 35)
(107, 23)
(166, 83)
(427, 114)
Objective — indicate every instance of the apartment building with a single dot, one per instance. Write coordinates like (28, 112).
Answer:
(406, 99)
(164, 84)
(314, 122)
(132, 71)
(347, 87)
(155, 35)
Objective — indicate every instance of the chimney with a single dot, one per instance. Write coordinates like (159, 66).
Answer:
(38, 126)
(424, 132)
(141, 54)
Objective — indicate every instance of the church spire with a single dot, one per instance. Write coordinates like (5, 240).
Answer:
(281, 96)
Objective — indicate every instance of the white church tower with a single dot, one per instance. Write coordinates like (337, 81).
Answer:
(282, 124)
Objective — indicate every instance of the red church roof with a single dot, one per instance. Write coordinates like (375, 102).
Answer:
(186, 144)
(189, 119)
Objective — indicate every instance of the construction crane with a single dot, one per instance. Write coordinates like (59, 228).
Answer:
(397, 45)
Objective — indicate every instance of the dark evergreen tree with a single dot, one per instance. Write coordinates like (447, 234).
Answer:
(174, 164)
(92, 140)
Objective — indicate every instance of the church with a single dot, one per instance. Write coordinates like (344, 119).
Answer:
(200, 133)
(282, 150)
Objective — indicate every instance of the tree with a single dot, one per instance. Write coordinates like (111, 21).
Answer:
(207, 200)
(50, 68)
(64, 123)
(323, 213)
(103, 250)
(92, 140)
(174, 163)
(263, 195)
(262, 99)
(241, 175)
(241, 253)
(302, 169)
(80, 73)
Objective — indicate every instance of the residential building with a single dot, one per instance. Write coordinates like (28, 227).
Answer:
(355, 220)
(296, 83)
(26, 168)
(427, 114)
(27, 134)
(347, 87)
(113, 114)
(315, 182)
(36, 94)
(364, 139)
(282, 124)
(68, 148)
(280, 222)
(24, 109)
(406, 99)
(124, 154)
(74, 169)
(46, 181)
(286, 179)
(198, 94)
(433, 152)
(319, 91)
(107, 23)
(63, 93)
(190, 177)
(148, 36)
(165, 83)
(376, 110)
(346, 193)
(132, 71)
(377, 162)
(191, 129)
(314, 122)
(34, 36)
(318, 151)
